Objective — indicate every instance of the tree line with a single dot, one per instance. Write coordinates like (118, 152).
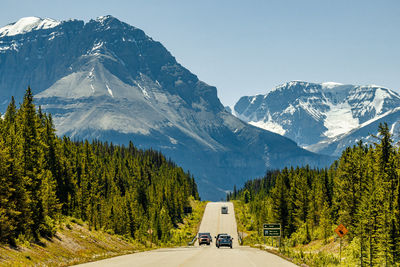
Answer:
(361, 190)
(120, 189)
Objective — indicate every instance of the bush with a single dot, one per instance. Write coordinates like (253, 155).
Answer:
(77, 221)
(300, 236)
(23, 241)
(48, 228)
(110, 231)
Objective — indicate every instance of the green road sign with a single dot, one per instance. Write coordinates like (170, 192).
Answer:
(272, 225)
(272, 232)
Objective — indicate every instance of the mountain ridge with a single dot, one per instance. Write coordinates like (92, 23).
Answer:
(107, 80)
(314, 114)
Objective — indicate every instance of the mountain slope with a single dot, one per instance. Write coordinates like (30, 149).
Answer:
(317, 114)
(365, 132)
(108, 80)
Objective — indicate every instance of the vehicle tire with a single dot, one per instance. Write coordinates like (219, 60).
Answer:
(231, 246)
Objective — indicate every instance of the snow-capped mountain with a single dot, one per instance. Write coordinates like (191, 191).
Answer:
(318, 116)
(107, 80)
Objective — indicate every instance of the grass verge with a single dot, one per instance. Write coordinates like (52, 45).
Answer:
(74, 243)
(185, 232)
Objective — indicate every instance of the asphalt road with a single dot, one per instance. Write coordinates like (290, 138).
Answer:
(216, 223)
(209, 256)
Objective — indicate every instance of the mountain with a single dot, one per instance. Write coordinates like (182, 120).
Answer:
(107, 80)
(322, 117)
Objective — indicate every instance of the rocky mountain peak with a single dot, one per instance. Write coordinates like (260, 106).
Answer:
(311, 112)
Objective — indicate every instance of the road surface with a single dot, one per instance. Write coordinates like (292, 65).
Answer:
(216, 223)
(213, 222)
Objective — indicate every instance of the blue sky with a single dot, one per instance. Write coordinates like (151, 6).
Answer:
(249, 47)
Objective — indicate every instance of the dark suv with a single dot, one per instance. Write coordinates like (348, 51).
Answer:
(223, 240)
(216, 239)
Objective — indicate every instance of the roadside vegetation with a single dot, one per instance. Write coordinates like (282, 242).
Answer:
(75, 243)
(186, 231)
(48, 183)
(361, 190)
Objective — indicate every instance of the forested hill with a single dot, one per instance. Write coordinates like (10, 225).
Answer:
(117, 188)
(361, 190)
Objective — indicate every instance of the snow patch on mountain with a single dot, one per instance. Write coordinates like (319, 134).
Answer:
(330, 85)
(394, 126)
(145, 93)
(339, 120)
(379, 99)
(28, 24)
(109, 91)
(102, 19)
(270, 125)
(96, 47)
(308, 106)
(290, 110)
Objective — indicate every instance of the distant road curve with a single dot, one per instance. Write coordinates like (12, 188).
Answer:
(205, 256)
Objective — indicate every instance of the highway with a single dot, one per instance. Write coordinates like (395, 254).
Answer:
(213, 222)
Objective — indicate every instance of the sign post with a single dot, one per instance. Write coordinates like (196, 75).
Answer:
(150, 231)
(341, 231)
(272, 230)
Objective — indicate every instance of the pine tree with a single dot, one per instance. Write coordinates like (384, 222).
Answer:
(20, 217)
(7, 207)
(51, 206)
(31, 157)
(280, 203)
(325, 221)
(389, 182)
(348, 183)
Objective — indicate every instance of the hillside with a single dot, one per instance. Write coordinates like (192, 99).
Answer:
(72, 244)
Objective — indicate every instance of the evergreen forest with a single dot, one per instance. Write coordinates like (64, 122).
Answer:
(361, 190)
(124, 190)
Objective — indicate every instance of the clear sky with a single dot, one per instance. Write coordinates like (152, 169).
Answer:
(249, 47)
